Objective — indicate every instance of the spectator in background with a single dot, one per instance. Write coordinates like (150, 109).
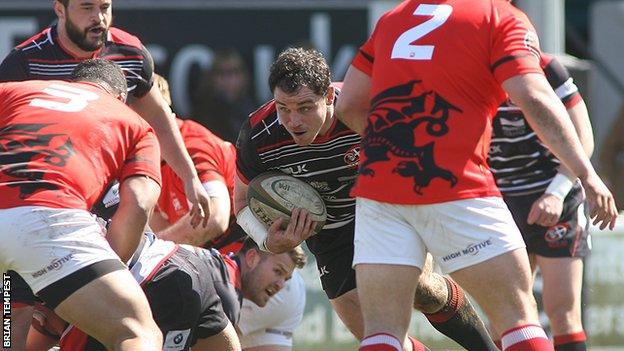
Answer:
(223, 99)
(612, 158)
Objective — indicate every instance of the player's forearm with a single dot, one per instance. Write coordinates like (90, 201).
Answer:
(125, 230)
(138, 196)
(173, 149)
(182, 232)
(582, 125)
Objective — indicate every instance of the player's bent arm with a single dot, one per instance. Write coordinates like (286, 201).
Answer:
(138, 195)
(547, 116)
(564, 180)
(354, 101)
(157, 113)
(182, 232)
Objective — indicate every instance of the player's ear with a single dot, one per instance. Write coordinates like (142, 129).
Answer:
(59, 9)
(252, 258)
(330, 96)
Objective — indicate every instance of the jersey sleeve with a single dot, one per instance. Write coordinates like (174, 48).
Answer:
(561, 81)
(207, 160)
(14, 67)
(146, 82)
(365, 56)
(515, 45)
(144, 158)
(248, 164)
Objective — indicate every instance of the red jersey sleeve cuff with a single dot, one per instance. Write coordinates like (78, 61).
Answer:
(139, 171)
(363, 62)
(505, 69)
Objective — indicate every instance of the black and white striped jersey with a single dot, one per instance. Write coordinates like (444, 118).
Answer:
(521, 164)
(43, 57)
(329, 164)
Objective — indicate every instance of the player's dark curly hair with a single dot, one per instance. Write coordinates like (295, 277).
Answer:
(298, 67)
(64, 2)
(296, 254)
(101, 71)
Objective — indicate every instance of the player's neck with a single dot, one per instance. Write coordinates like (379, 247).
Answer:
(69, 46)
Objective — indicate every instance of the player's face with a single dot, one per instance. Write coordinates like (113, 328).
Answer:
(304, 114)
(87, 22)
(267, 277)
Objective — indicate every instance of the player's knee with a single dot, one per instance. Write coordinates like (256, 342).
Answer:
(431, 295)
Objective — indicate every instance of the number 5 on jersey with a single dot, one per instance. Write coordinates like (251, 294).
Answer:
(403, 47)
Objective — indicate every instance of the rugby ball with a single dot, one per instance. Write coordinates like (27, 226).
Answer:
(272, 195)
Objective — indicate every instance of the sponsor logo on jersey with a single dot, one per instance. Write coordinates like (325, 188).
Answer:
(495, 149)
(322, 271)
(556, 232)
(320, 186)
(352, 156)
(176, 340)
(294, 170)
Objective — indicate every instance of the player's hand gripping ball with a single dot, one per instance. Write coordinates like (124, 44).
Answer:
(275, 194)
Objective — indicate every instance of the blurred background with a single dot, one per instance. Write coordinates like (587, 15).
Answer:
(216, 55)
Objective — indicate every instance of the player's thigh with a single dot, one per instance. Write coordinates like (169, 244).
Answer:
(562, 284)
(385, 234)
(502, 287)
(117, 301)
(466, 232)
(226, 340)
(347, 306)
(49, 244)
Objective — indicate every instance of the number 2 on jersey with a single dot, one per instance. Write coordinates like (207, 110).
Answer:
(403, 47)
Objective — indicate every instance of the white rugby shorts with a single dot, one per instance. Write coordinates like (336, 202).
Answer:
(458, 234)
(275, 323)
(45, 244)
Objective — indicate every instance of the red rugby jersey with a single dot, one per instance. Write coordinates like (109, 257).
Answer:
(214, 159)
(62, 143)
(436, 72)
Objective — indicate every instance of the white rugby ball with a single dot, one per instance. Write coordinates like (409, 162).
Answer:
(271, 195)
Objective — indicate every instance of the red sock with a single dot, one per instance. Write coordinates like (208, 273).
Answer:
(526, 338)
(571, 342)
(417, 345)
(380, 342)
(498, 344)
